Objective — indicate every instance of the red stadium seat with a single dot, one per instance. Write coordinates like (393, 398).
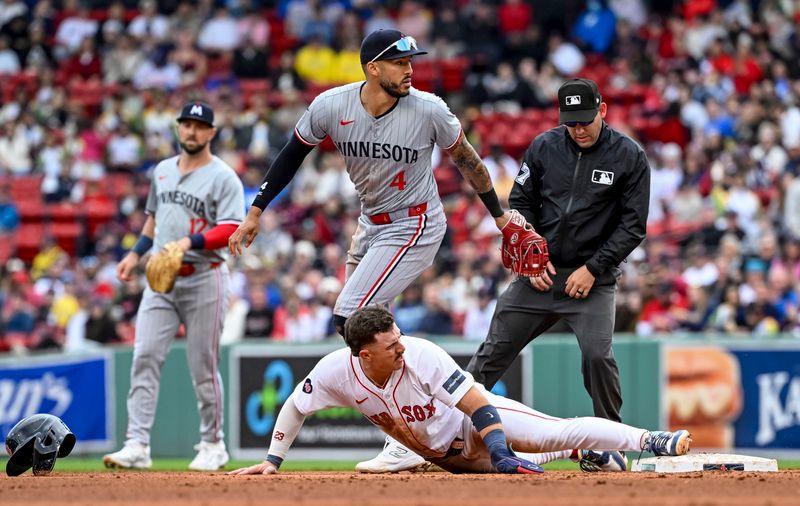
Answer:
(64, 212)
(26, 188)
(453, 72)
(67, 234)
(31, 210)
(98, 213)
(29, 240)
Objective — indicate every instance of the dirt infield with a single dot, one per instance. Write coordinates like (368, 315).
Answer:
(434, 489)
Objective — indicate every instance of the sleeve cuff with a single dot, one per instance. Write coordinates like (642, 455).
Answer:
(593, 268)
(198, 241)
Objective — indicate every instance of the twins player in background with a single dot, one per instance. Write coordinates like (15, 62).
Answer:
(198, 200)
(416, 393)
(386, 131)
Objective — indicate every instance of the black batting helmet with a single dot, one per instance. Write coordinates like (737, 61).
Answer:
(35, 442)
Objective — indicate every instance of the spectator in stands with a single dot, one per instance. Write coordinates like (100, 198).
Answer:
(9, 214)
(9, 61)
(479, 315)
(122, 61)
(595, 27)
(346, 67)
(381, 19)
(85, 64)
(149, 24)
(15, 149)
(38, 55)
(192, 62)
(255, 26)
(220, 33)
(286, 77)
(250, 61)
(10, 9)
(124, 150)
(437, 319)
(157, 72)
(260, 317)
(415, 20)
(74, 29)
(409, 311)
(314, 61)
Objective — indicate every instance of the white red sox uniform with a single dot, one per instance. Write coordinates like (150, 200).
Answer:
(183, 205)
(417, 408)
(388, 159)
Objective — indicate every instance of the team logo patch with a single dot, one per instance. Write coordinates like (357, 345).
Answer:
(603, 177)
(524, 174)
(514, 238)
(307, 386)
(572, 100)
(453, 382)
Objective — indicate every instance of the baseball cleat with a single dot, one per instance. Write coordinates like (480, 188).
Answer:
(133, 455)
(592, 461)
(668, 444)
(210, 456)
(393, 459)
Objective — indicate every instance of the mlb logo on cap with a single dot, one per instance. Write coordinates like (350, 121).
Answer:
(578, 101)
(198, 111)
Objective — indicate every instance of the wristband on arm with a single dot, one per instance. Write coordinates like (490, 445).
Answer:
(495, 440)
(491, 202)
(275, 461)
(143, 245)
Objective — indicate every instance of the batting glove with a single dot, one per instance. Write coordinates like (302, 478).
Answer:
(508, 463)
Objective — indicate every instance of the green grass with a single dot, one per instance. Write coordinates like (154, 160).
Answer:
(85, 464)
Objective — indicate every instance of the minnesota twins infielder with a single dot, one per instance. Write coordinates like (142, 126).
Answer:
(415, 392)
(197, 200)
(386, 130)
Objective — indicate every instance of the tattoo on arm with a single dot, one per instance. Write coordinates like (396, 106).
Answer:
(471, 166)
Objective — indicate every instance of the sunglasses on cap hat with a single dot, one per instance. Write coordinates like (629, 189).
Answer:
(407, 43)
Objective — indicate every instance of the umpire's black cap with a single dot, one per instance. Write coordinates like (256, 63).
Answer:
(578, 100)
(388, 45)
(198, 111)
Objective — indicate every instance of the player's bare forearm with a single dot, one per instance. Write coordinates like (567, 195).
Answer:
(470, 165)
(149, 228)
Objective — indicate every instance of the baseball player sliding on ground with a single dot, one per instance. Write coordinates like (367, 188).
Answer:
(386, 131)
(416, 393)
(196, 201)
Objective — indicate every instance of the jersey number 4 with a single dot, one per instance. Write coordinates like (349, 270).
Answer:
(197, 225)
(399, 181)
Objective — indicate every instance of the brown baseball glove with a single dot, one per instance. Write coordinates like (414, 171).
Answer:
(162, 268)
(524, 251)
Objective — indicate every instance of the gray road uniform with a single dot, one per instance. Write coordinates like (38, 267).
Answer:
(388, 159)
(184, 205)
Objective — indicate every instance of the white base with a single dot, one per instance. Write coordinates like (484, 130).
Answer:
(704, 462)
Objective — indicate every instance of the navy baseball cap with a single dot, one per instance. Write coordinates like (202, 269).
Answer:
(198, 111)
(388, 45)
(578, 100)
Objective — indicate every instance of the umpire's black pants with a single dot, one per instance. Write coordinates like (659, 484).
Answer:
(523, 313)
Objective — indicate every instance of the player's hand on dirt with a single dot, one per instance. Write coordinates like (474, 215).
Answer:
(544, 282)
(579, 283)
(126, 266)
(512, 464)
(246, 233)
(262, 468)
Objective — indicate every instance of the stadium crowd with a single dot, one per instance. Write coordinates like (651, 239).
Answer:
(88, 97)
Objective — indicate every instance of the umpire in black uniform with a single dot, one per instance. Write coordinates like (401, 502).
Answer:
(586, 188)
